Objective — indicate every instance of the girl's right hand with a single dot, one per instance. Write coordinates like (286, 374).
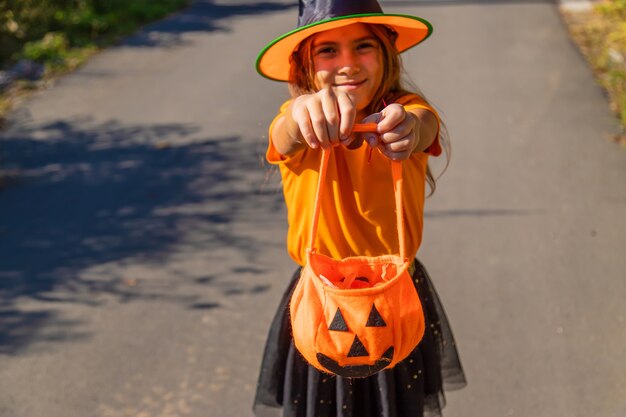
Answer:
(322, 119)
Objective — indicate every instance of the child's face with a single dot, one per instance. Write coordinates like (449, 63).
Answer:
(348, 59)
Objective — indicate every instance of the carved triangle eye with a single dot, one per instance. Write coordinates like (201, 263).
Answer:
(338, 324)
(375, 319)
(357, 348)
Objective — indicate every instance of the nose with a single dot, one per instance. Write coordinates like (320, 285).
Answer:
(349, 63)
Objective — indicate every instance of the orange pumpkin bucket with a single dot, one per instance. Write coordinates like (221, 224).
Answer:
(356, 316)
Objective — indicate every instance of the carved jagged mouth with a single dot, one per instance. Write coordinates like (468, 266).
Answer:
(356, 371)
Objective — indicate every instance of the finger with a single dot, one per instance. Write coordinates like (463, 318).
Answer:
(404, 128)
(347, 114)
(392, 116)
(318, 122)
(306, 130)
(393, 136)
(401, 145)
(331, 114)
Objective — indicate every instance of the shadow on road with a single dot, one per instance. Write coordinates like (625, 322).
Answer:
(99, 194)
(201, 16)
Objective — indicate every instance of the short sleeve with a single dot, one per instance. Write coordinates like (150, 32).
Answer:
(411, 102)
(272, 155)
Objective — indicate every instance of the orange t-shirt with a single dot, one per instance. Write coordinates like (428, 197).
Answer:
(358, 206)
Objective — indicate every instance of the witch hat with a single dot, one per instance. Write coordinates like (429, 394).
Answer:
(319, 15)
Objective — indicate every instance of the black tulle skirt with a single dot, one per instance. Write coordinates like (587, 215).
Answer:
(290, 387)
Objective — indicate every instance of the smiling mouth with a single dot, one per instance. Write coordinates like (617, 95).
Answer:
(350, 85)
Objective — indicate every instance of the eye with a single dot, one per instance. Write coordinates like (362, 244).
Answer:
(366, 46)
(325, 51)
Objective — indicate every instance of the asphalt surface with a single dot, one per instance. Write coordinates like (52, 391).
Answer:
(142, 239)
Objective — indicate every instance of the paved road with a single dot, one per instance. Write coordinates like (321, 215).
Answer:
(142, 253)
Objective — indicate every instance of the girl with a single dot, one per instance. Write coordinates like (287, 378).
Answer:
(343, 68)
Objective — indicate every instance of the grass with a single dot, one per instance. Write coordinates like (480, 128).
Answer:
(600, 33)
(62, 38)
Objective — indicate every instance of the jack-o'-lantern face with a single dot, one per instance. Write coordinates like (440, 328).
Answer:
(363, 344)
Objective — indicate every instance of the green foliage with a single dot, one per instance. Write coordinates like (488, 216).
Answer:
(52, 47)
(25, 25)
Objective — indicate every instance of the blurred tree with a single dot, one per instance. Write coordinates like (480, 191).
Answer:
(79, 22)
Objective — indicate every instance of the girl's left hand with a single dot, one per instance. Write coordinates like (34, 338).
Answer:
(397, 132)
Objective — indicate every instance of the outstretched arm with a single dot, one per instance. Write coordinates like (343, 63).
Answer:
(321, 119)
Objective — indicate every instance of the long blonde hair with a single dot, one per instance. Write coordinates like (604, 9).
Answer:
(302, 81)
